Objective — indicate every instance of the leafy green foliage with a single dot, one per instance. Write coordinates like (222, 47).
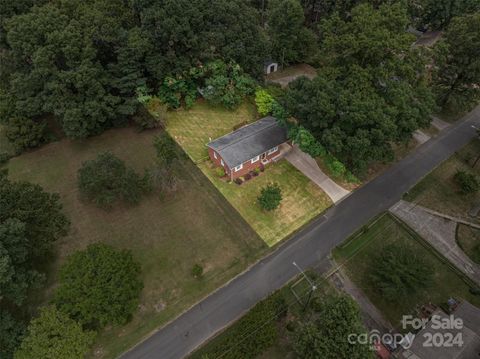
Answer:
(468, 182)
(305, 141)
(107, 179)
(225, 84)
(166, 149)
(16, 273)
(270, 197)
(291, 41)
(54, 335)
(177, 90)
(99, 286)
(24, 133)
(364, 97)
(437, 14)
(327, 335)
(39, 211)
(457, 62)
(400, 272)
(250, 336)
(264, 102)
(186, 33)
(83, 64)
(11, 333)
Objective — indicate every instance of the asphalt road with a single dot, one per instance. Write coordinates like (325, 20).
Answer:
(307, 248)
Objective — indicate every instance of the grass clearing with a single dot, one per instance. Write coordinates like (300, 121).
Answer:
(468, 238)
(439, 192)
(194, 128)
(302, 200)
(358, 256)
(168, 233)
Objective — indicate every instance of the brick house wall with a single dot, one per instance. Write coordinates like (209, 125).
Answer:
(247, 165)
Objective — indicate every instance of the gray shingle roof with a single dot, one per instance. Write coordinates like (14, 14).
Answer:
(249, 141)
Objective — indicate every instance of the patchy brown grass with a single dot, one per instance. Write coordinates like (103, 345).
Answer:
(167, 233)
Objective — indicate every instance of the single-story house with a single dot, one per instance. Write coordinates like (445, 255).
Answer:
(247, 148)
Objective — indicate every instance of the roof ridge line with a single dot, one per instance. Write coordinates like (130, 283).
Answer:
(247, 136)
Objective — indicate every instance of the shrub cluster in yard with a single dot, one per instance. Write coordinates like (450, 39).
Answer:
(250, 336)
(106, 180)
(468, 182)
(270, 197)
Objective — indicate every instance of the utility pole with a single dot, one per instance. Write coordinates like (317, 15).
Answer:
(312, 285)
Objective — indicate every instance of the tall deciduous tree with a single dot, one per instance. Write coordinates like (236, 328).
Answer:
(372, 90)
(17, 275)
(11, 334)
(54, 335)
(327, 336)
(41, 212)
(290, 40)
(457, 59)
(99, 286)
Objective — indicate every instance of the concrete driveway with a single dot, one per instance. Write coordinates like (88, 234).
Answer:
(308, 247)
(309, 167)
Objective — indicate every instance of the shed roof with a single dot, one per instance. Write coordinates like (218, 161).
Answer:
(249, 141)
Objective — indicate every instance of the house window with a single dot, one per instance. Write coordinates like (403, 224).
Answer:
(272, 150)
(215, 155)
(239, 167)
(255, 159)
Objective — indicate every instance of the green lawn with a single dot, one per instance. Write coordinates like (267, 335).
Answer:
(302, 200)
(468, 238)
(194, 128)
(438, 190)
(168, 234)
(357, 255)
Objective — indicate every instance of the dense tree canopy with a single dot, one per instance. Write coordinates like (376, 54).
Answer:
(326, 336)
(365, 98)
(437, 14)
(11, 334)
(39, 212)
(291, 41)
(457, 60)
(99, 286)
(54, 335)
(16, 272)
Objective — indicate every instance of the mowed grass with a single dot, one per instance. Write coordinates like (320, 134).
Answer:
(438, 191)
(358, 257)
(194, 128)
(302, 200)
(468, 238)
(167, 233)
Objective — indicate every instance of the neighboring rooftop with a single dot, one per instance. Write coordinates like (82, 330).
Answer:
(469, 349)
(249, 141)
